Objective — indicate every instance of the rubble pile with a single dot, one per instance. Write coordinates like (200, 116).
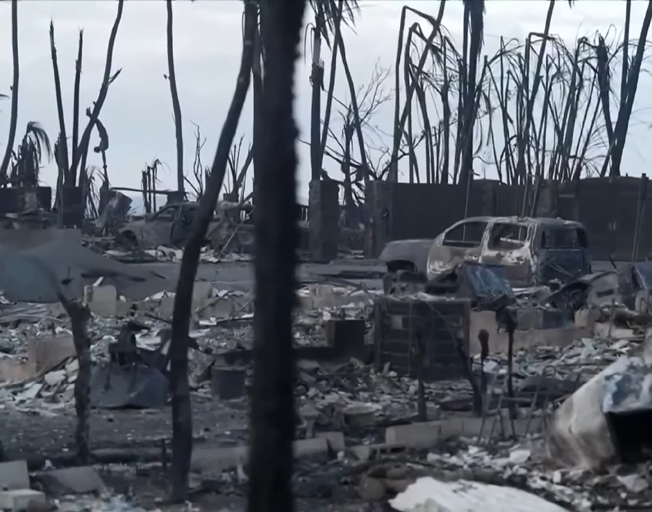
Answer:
(523, 464)
(360, 416)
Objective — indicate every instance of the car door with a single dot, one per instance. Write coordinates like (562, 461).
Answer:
(161, 224)
(461, 242)
(508, 244)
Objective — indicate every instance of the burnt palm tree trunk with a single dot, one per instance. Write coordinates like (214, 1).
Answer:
(75, 102)
(476, 27)
(178, 122)
(107, 79)
(272, 414)
(62, 156)
(331, 88)
(625, 113)
(13, 120)
(181, 407)
(317, 80)
(339, 41)
(257, 73)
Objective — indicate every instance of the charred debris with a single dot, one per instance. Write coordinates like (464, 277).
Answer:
(472, 370)
(492, 363)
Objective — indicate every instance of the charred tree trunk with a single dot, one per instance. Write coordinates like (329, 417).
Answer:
(625, 113)
(79, 316)
(75, 102)
(317, 80)
(331, 89)
(13, 120)
(476, 19)
(63, 140)
(181, 407)
(272, 416)
(172, 77)
(257, 73)
(107, 79)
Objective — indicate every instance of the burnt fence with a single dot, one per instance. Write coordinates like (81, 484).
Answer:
(608, 208)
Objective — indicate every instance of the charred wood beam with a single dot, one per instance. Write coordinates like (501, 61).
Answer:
(273, 415)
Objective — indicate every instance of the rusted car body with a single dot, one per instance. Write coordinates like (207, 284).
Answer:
(533, 251)
(170, 227)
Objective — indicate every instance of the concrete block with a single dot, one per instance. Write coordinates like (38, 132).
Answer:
(365, 452)
(19, 500)
(48, 352)
(14, 475)
(533, 318)
(78, 480)
(335, 440)
(102, 300)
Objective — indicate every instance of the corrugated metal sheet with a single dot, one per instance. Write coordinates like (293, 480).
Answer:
(430, 495)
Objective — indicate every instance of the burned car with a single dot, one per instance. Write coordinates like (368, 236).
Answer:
(635, 286)
(170, 226)
(532, 251)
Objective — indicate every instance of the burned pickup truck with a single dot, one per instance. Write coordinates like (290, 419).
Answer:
(170, 227)
(532, 251)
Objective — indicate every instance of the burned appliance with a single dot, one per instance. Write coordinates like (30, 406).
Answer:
(423, 333)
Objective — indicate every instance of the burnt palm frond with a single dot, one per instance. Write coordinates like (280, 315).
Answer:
(26, 160)
(330, 13)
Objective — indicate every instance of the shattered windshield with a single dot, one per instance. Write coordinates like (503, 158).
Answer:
(563, 238)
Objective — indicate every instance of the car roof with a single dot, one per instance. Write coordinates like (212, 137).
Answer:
(546, 221)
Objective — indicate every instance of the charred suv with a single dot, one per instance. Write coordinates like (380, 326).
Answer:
(532, 251)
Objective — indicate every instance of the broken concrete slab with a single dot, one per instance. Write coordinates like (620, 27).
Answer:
(14, 475)
(77, 480)
(13, 369)
(427, 434)
(20, 500)
(219, 459)
(523, 339)
(47, 353)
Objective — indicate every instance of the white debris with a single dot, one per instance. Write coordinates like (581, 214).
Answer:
(519, 456)
(430, 495)
(634, 483)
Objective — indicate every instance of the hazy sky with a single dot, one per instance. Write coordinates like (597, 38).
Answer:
(138, 110)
